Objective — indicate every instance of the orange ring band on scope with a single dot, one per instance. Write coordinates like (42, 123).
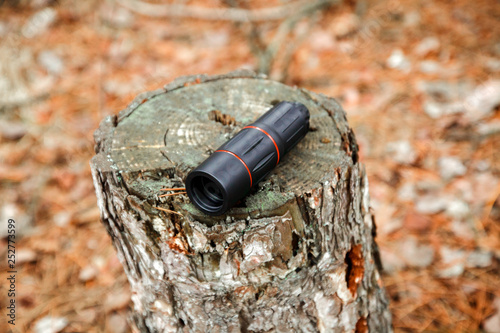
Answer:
(269, 136)
(229, 152)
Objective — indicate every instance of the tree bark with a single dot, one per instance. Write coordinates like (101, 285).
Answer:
(296, 255)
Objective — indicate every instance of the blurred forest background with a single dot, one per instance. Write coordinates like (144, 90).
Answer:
(419, 80)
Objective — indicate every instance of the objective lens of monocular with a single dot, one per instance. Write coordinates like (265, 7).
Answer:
(229, 173)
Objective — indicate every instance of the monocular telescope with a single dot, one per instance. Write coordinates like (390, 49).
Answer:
(234, 168)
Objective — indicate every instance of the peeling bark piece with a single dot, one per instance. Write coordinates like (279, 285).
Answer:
(296, 255)
(355, 268)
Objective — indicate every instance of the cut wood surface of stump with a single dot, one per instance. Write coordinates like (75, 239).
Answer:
(296, 255)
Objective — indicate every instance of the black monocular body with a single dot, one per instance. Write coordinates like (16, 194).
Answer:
(229, 173)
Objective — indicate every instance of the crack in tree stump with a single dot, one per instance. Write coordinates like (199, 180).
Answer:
(296, 255)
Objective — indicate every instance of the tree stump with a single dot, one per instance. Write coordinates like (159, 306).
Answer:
(296, 255)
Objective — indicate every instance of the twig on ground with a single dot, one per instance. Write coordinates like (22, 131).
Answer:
(266, 54)
(223, 14)
(291, 13)
(291, 47)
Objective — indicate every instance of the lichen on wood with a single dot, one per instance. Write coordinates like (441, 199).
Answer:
(296, 255)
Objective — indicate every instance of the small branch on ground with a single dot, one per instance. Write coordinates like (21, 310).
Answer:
(224, 14)
(267, 54)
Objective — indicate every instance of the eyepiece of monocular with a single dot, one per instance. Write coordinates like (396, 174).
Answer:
(229, 173)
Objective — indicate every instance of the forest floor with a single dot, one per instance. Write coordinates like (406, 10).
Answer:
(420, 83)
